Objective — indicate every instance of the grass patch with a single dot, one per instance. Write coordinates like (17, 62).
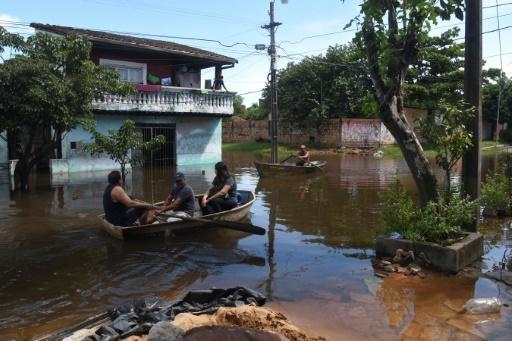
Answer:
(257, 148)
(393, 151)
(490, 144)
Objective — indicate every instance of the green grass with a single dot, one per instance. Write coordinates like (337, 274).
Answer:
(393, 151)
(262, 149)
(490, 144)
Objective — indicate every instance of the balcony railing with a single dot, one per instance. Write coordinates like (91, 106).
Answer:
(170, 100)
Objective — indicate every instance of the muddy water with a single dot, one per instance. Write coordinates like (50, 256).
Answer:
(57, 267)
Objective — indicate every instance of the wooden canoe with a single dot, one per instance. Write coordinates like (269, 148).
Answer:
(236, 214)
(268, 169)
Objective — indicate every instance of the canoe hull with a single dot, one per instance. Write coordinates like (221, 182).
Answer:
(269, 169)
(122, 233)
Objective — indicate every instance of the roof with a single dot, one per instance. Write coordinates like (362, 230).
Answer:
(137, 42)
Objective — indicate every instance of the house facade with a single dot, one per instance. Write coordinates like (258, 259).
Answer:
(169, 100)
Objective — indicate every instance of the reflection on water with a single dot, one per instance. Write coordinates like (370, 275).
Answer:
(58, 267)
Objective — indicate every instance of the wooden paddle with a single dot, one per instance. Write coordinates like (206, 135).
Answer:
(314, 164)
(232, 225)
(288, 158)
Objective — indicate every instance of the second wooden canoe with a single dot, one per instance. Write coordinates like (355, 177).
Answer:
(269, 169)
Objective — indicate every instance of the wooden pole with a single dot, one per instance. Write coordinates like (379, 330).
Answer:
(471, 162)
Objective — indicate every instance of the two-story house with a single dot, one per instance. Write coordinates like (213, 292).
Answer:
(169, 100)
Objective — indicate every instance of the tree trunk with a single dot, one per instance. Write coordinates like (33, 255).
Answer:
(22, 174)
(393, 117)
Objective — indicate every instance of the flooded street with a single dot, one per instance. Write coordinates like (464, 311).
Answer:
(58, 267)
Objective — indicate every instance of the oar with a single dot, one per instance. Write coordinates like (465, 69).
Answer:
(244, 227)
(315, 165)
(288, 158)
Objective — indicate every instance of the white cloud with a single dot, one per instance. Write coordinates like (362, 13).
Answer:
(11, 24)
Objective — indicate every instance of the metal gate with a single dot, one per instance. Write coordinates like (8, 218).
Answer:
(165, 155)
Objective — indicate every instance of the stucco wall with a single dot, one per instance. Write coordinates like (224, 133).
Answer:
(80, 161)
(198, 140)
(4, 155)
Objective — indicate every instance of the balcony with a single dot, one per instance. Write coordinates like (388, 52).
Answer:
(169, 100)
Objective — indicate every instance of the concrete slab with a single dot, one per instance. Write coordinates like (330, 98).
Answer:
(451, 258)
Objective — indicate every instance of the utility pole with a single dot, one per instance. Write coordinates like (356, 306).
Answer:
(500, 84)
(471, 162)
(273, 86)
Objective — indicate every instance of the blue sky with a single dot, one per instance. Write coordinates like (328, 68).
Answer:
(232, 21)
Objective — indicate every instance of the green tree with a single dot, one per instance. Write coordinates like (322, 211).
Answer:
(438, 72)
(325, 86)
(120, 145)
(239, 108)
(445, 130)
(48, 85)
(254, 112)
(391, 34)
(492, 86)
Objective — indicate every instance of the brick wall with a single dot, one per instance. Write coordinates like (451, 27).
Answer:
(334, 132)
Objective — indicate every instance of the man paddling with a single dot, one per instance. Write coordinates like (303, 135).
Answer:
(120, 209)
(302, 156)
(181, 200)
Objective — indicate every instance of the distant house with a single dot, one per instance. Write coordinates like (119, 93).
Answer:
(169, 100)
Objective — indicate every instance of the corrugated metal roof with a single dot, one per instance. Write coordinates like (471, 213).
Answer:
(131, 41)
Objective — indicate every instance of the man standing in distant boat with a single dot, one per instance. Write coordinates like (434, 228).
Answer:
(181, 200)
(120, 209)
(302, 156)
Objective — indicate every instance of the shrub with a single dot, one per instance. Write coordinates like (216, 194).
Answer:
(496, 192)
(433, 223)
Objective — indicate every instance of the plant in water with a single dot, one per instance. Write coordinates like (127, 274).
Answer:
(435, 222)
(445, 130)
(120, 145)
(496, 192)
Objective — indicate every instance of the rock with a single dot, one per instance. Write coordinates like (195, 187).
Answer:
(414, 269)
(380, 275)
(165, 331)
(389, 268)
(385, 262)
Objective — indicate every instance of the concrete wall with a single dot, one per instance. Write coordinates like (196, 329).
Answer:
(80, 161)
(4, 152)
(334, 132)
(198, 140)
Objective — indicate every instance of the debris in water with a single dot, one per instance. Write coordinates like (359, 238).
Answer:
(483, 305)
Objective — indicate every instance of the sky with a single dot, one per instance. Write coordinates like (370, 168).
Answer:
(237, 21)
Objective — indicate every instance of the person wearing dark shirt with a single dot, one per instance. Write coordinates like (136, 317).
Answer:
(221, 194)
(218, 84)
(181, 199)
(120, 209)
(302, 156)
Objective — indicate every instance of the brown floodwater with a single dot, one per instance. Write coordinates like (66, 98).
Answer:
(58, 267)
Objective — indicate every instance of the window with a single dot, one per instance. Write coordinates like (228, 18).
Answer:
(128, 71)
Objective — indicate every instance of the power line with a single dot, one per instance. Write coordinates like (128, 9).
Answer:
(497, 5)
(22, 24)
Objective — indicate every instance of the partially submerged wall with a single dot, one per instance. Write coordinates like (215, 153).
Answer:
(334, 132)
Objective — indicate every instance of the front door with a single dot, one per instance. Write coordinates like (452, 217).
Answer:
(165, 155)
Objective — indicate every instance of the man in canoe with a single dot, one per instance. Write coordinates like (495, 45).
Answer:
(120, 209)
(302, 156)
(180, 201)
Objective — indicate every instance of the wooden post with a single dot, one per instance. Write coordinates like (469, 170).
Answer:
(471, 162)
